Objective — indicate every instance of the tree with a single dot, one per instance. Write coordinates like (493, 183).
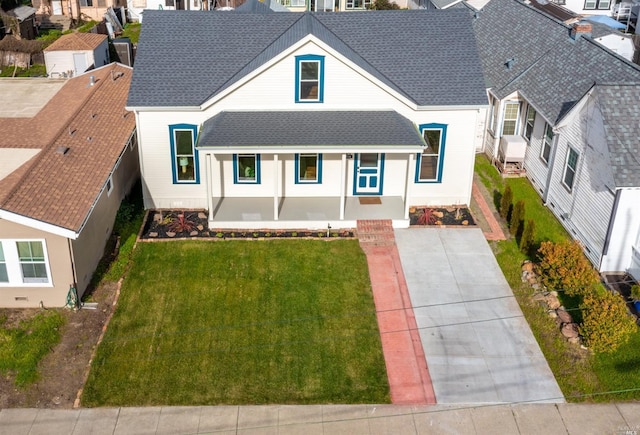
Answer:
(528, 237)
(563, 266)
(605, 322)
(517, 219)
(384, 5)
(505, 202)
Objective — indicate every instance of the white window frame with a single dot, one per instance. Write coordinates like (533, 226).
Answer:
(14, 265)
(529, 123)
(362, 4)
(109, 185)
(514, 120)
(568, 167)
(298, 3)
(3, 266)
(547, 142)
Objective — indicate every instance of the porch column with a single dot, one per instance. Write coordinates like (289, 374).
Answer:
(407, 188)
(208, 176)
(343, 173)
(276, 177)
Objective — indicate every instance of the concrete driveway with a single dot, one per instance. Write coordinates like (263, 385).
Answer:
(479, 347)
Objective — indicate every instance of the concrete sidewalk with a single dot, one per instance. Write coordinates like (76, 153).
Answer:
(545, 419)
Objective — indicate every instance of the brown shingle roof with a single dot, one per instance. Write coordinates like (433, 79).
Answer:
(77, 41)
(61, 189)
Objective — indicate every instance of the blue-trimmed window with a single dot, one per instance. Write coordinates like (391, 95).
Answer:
(184, 155)
(246, 168)
(430, 161)
(309, 78)
(308, 168)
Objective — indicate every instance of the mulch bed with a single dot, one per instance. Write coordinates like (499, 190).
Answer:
(441, 216)
(192, 224)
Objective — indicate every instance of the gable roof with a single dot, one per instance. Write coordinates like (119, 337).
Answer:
(550, 69)
(91, 121)
(423, 62)
(621, 112)
(362, 128)
(77, 41)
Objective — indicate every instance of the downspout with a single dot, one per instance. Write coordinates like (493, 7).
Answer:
(73, 264)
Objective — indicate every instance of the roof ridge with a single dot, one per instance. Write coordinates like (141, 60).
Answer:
(41, 155)
(232, 78)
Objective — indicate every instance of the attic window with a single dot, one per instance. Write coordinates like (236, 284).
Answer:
(309, 79)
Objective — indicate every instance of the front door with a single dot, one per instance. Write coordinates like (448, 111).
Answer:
(368, 174)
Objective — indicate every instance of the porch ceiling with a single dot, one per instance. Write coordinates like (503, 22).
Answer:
(338, 130)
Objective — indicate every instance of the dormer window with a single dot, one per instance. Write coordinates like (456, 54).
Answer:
(309, 79)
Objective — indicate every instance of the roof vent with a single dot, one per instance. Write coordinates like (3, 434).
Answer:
(92, 80)
(510, 62)
(62, 150)
(581, 28)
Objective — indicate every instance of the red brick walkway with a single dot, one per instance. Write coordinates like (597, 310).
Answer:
(407, 370)
(496, 232)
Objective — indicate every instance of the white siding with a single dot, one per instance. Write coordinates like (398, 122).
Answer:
(59, 63)
(537, 170)
(344, 89)
(623, 252)
(585, 210)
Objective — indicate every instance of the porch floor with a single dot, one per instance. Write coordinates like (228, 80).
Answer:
(304, 212)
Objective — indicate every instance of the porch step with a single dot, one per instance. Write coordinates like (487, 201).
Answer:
(59, 22)
(375, 233)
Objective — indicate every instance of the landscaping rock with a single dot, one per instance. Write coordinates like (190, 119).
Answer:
(157, 217)
(438, 214)
(527, 266)
(193, 233)
(465, 222)
(552, 301)
(554, 293)
(171, 234)
(570, 330)
(153, 234)
(537, 296)
(564, 316)
(552, 314)
(574, 340)
(532, 280)
(200, 227)
(201, 215)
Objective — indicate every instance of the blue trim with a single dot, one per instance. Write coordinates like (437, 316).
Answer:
(318, 170)
(356, 164)
(236, 179)
(196, 161)
(443, 142)
(306, 58)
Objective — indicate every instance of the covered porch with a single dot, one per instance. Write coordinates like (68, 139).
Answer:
(315, 170)
(300, 212)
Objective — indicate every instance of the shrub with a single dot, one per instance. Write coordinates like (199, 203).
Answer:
(635, 292)
(517, 219)
(528, 237)
(505, 202)
(606, 324)
(563, 266)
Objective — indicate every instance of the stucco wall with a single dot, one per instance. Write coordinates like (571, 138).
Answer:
(53, 294)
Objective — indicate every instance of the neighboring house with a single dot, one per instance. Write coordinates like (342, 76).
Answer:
(136, 8)
(75, 53)
(616, 41)
(67, 158)
(574, 104)
(587, 7)
(19, 22)
(296, 123)
(77, 9)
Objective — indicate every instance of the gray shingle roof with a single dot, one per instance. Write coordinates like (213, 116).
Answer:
(411, 51)
(362, 128)
(551, 70)
(620, 108)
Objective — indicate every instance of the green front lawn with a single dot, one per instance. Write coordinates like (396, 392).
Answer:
(580, 375)
(242, 322)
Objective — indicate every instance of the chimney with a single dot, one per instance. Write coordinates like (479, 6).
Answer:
(580, 28)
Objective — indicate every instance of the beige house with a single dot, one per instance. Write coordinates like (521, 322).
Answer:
(77, 9)
(67, 158)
